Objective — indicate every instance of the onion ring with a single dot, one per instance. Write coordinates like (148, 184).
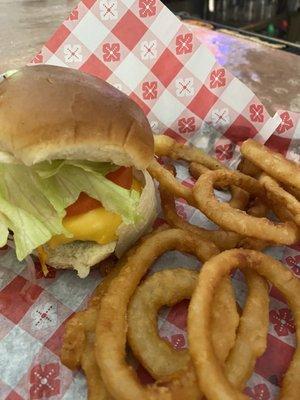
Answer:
(276, 194)
(96, 388)
(196, 169)
(257, 209)
(110, 341)
(202, 162)
(166, 146)
(239, 197)
(84, 322)
(224, 240)
(274, 164)
(253, 244)
(166, 288)
(292, 190)
(248, 168)
(211, 376)
(73, 341)
(169, 182)
(78, 341)
(170, 286)
(251, 339)
(80, 324)
(236, 220)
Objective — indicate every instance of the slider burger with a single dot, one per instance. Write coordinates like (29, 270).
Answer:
(73, 157)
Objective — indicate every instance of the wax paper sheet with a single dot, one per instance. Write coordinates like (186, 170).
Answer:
(140, 47)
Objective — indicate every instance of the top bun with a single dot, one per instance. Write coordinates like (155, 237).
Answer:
(49, 112)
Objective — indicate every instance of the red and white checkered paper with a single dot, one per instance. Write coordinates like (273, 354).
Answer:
(140, 47)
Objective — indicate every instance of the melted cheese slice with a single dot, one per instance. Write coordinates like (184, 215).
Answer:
(43, 256)
(136, 185)
(98, 225)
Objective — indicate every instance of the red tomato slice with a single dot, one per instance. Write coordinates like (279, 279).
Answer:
(83, 204)
(122, 176)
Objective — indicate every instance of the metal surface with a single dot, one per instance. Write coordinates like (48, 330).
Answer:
(25, 25)
(246, 31)
(273, 75)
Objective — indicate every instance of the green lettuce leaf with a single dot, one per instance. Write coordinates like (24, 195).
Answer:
(33, 199)
(3, 230)
(46, 169)
(63, 188)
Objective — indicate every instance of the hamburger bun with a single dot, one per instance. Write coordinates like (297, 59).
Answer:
(49, 113)
(52, 113)
(77, 255)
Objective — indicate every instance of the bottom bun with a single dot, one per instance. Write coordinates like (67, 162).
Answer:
(81, 256)
(77, 255)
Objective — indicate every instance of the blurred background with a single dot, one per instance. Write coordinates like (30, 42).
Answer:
(272, 18)
(258, 41)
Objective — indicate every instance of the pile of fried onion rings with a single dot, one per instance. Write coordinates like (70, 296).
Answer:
(234, 217)
(224, 343)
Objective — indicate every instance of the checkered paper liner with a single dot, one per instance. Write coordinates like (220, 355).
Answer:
(144, 50)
